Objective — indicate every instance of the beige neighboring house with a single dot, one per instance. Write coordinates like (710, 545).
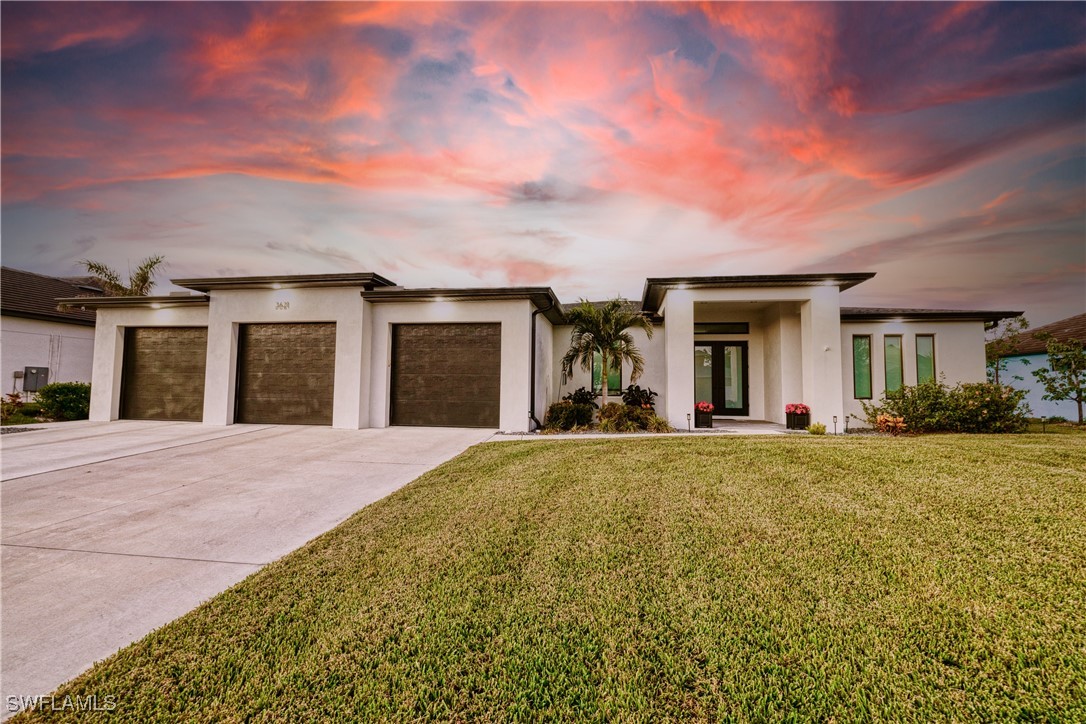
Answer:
(356, 350)
(39, 343)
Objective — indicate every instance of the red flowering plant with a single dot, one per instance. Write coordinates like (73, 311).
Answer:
(796, 408)
(704, 406)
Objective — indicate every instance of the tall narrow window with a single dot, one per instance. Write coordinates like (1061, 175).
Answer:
(895, 374)
(925, 358)
(861, 367)
(614, 376)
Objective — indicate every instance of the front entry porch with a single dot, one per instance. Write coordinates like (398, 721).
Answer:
(752, 351)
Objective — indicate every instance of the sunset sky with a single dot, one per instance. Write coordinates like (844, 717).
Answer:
(579, 146)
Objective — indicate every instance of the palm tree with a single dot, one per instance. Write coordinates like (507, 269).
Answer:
(603, 328)
(140, 282)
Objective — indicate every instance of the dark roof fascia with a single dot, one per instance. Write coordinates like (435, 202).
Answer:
(542, 297)
(59, 317)
(872, 314)
(655, 287)
(190, 300)
(286, 281)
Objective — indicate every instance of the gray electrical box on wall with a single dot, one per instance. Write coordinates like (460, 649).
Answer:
(34, 378)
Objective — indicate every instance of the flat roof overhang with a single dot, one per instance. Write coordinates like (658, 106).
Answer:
(656, 287)
(366, 280)
(176, 300)
(543, 298)
(890, 314)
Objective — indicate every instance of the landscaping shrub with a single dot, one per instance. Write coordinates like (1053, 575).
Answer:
(615, 417)
(890, 425)
(979, 407)
(816, 428)
(566, 415)
(581, 396)
(634, 396)
(65, 400)
(11, 406)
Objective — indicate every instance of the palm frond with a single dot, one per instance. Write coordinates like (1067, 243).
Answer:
(142, 281)
(110, 279)
(603, 328)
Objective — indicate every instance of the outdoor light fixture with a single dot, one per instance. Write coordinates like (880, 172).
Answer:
(277, 285)
(1043, 418)
(688, 422)
(835, 424)
(156, 305)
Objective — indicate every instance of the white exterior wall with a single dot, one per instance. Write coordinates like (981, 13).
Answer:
(959, 355)
(544, 364)
(109, 349)
(1024, 366)
(783, 359)
(515, 319)
(233, 307)
(66, 349)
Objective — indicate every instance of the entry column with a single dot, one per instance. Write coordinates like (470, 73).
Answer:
(678, 312)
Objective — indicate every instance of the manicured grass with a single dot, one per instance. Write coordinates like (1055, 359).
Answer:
(797, 578)
(1057, 428)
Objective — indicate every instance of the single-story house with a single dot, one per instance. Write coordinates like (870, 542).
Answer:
(356, 350)
(40, 344)
(1030, 354)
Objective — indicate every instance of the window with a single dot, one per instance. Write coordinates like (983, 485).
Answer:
(925, 358)
(895, 373)
(722, 328)
(861, 367)
(614, 377)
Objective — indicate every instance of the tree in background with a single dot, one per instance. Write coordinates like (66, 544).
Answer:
(1003, 339)
(1065, 376)
(140, 281)
(604, 329)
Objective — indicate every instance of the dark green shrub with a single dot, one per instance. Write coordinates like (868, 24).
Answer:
(581, 396)
(65, 400)
(566, 415)
(634, 396)
(978, 407)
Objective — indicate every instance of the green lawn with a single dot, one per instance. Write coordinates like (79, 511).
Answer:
(719, 578)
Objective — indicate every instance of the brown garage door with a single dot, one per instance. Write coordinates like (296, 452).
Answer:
(446, 375)
(163, 373)
(286, 373)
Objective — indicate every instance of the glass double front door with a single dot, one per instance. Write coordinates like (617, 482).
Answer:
(720, 376)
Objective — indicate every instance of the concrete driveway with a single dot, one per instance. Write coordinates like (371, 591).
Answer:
(110, 530)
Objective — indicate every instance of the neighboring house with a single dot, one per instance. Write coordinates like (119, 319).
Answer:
(355, 350)
(1031, 354)
(34, 334)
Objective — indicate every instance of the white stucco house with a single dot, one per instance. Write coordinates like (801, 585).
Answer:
(356, 350)
(1031, 354)
(38, 343)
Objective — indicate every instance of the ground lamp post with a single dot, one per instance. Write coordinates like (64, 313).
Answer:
(1043, 418)
(688, 422)
(835, 424)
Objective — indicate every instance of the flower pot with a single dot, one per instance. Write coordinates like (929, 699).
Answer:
(798, 421)
(703, 419)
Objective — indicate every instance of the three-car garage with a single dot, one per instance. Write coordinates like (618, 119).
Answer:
(446, 375)
(347, 350)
